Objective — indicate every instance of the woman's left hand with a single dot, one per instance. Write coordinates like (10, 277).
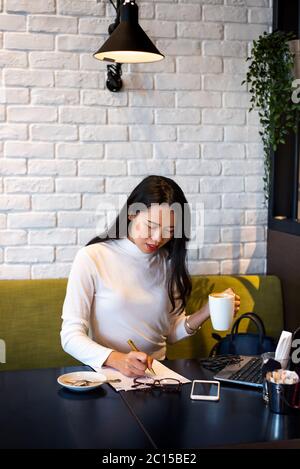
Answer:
(237, 300)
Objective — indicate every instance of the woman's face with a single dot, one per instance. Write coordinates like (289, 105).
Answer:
(152, 228)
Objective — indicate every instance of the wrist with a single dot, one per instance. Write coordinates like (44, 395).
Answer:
(205, 312)
(190, 329)
(113, 359)
(194, 322)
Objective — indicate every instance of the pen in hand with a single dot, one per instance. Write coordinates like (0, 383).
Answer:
(135, 349)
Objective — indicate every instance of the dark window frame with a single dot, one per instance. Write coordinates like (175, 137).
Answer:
(285, 161)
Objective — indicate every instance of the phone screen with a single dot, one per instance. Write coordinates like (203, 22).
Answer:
(205, 389)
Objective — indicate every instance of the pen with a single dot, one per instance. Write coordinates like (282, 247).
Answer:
(134, 347)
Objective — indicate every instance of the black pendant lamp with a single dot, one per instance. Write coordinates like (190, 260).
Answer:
(128, 43)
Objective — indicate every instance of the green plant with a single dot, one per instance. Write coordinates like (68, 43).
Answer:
(269, 79)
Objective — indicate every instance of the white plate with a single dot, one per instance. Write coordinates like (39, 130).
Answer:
(97, 378)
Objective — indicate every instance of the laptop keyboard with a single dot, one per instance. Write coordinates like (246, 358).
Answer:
(249, 373)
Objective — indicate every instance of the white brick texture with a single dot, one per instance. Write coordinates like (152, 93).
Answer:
(69, 148)
(29, 6)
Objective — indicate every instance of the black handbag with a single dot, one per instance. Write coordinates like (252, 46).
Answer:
(244, 343)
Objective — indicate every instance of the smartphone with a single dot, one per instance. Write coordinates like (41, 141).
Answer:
(205, 390)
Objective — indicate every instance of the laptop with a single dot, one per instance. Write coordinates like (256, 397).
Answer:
(245, 371)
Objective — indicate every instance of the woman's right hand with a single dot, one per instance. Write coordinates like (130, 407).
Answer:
(132, 364)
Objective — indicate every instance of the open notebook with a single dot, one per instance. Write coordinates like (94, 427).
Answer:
(126, 383)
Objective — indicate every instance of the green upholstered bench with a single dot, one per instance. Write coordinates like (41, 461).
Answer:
(30, 317)
(30, 322)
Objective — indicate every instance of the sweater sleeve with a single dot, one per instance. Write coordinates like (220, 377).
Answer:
(177, 328)
(76, 314)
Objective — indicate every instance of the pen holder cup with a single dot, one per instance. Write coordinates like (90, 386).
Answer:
(283, 398)
(265, 358)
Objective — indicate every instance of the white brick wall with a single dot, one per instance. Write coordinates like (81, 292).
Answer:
(69, 146)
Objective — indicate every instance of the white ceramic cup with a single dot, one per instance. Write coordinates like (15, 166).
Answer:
(221, 307)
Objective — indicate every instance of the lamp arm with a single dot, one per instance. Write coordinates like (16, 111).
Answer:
(116, 23)
(114, 71)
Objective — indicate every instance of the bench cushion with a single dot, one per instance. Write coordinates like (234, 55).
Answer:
(30, 317)
(30, 321)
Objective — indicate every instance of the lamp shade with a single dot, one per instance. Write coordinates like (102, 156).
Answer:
(128, 43)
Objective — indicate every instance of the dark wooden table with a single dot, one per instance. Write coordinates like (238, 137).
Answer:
(37, 413)
(240, 417)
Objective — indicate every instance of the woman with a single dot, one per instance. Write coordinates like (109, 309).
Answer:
(132, 283)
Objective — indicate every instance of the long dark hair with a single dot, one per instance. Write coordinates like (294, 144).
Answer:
(158, 190)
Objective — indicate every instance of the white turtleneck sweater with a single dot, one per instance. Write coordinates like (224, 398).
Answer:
(116, 292)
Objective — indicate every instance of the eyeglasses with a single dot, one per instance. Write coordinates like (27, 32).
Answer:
(164, 384)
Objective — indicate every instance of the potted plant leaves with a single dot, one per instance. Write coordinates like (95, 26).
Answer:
(270, 78)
